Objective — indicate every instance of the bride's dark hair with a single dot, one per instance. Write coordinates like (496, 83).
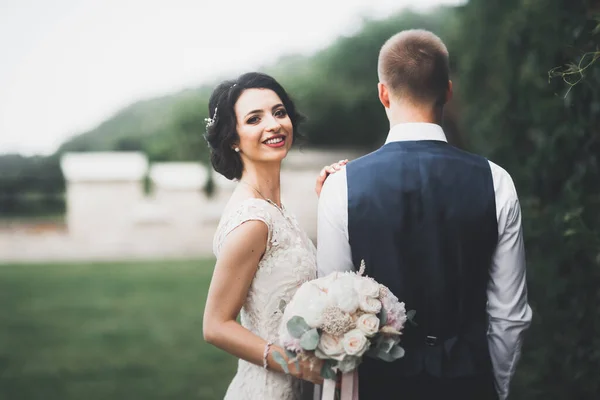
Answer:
(221, 133)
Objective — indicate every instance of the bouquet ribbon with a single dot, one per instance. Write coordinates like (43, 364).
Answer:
(349, 387)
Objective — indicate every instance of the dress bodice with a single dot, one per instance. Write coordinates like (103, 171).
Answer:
(289, 261)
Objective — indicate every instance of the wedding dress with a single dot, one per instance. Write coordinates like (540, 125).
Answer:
(288, 262)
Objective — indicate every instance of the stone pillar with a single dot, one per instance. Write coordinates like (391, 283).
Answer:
(103, 188)
(179, 191)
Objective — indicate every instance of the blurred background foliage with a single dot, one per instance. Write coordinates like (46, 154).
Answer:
(511, 104)
(549, 140)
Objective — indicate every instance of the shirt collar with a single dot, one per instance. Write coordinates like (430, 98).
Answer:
(415, 131)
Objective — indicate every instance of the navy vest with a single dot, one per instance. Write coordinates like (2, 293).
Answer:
(422, 215)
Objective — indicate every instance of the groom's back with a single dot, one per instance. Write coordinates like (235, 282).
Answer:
(422, 215)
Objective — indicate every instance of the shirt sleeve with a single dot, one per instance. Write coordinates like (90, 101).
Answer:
(333, 248)
(508, 310)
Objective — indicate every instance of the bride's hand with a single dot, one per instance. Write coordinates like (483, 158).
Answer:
(325, 172)
(310, 370)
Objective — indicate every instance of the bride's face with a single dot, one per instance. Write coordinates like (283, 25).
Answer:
(263, 126)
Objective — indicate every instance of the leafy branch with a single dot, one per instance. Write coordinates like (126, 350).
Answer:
(573, 73)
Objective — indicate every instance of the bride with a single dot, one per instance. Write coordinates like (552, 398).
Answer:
(262, 254)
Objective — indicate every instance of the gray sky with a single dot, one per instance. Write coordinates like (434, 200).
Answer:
(67, 65)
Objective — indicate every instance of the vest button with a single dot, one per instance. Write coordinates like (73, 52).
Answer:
(431, 340)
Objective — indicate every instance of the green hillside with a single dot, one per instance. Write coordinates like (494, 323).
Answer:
(145, 125)
(335, 88)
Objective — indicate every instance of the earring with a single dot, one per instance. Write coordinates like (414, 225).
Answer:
(237, 149)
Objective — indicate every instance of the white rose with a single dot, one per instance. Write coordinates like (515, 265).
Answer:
(312, 300)
(343, 295)
(355, 343)
(305, 292)
(367, 287)
(369, 304)
(325, 282)
(368, 324)
(313, 311)
(330, 346)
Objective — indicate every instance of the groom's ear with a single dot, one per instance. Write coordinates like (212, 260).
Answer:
(384, 95)
(449, 92)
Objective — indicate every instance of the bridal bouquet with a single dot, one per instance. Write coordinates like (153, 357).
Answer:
(340, 318)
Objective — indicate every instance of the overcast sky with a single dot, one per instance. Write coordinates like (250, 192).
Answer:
(67, 65)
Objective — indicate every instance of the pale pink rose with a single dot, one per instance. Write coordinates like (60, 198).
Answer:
(366, 287)
(396, 312)
(355, 343)
(368, 324)
(330, 346)
(369, 304)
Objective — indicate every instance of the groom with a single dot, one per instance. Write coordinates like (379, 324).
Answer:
(441, 228)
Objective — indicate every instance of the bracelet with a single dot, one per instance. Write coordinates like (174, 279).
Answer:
(266, 354)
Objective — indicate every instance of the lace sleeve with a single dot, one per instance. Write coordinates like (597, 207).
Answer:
(248, 210)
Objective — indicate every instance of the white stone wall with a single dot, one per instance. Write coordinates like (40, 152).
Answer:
(178, 192)
(109, 217)
(298, 195)
(107, 207)
(102, 192)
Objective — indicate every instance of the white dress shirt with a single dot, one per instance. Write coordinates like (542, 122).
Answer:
(507, 307)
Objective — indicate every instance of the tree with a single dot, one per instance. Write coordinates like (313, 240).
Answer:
(550, 144)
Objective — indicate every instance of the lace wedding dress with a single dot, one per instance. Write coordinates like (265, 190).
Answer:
(288, 262)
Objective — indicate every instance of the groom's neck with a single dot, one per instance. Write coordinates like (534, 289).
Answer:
(408, 113)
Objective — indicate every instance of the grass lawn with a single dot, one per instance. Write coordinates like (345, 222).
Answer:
(108, 331)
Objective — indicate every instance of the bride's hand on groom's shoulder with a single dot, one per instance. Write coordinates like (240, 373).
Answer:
(325, 172)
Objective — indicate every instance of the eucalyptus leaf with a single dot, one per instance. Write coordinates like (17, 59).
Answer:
(383, 317)
(293, 356)
(281, 361)
(385, 356)
(327, 371)
(349, 363)
(395, 353)
(375, 347)
(310, 340)
(297, 327)
(386, 345)
(290, 354)
(373, 352)
(410, 315)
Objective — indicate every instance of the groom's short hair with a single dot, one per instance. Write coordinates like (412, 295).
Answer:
(414, 65)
